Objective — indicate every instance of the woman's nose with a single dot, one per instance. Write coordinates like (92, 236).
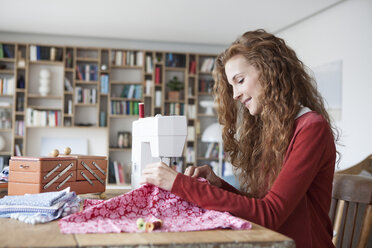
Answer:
(236, 94)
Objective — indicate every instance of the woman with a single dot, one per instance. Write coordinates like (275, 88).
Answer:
(277, 133)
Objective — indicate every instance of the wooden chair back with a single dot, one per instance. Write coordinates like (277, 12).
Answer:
(361, 168)
(351, 210)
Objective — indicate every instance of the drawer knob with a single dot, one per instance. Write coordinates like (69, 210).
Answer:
(67, 151)
(54, 153)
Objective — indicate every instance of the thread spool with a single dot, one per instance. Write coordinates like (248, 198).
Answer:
(141, 224)
(141, 110)
(150, 226)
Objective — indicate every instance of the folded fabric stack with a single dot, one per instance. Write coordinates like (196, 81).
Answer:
(39, 208)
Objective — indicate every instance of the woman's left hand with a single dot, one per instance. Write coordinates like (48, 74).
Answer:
(159, 174)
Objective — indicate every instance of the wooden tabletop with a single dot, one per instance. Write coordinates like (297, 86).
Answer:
(14, 233)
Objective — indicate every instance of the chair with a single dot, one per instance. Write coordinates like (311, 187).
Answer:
(362, 168)
(351, 210)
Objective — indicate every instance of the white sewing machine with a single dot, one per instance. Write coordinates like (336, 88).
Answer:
(155, 139)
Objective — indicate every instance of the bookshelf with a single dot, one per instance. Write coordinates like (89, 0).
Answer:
(92, 87)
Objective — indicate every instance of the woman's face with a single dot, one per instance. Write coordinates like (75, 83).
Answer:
(243, 77)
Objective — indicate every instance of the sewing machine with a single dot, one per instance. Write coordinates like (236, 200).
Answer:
(154, 139)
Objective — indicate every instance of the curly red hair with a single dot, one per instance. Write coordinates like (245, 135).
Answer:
(256, 145)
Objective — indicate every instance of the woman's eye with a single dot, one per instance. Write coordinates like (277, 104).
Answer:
(241, 81)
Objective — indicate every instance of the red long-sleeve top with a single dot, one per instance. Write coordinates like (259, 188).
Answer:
(298, 203)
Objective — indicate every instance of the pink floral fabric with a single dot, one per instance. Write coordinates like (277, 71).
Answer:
(119, 214)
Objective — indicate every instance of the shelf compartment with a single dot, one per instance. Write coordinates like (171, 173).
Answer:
(4, 71)
(44, 97)
(116, 149)
(82, 59)
(10, 60)
(46, 62)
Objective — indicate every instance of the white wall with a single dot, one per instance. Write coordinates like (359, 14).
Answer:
(343, 32)
(109, 43)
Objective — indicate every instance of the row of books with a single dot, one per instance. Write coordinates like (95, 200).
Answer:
(104, 83)
(45, 53)
(174, 108)
(6, 51)
(124, 108)
(85, 95)
(175, 60)
(46, 118)
(206, 85)
(132, 91)
(19, 128)
(7, 86)
(118, 173)
(207, 65)
(87, 72)
(129, 58)
(212, 150)
(190, 133)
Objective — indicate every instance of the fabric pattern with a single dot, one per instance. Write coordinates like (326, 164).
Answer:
(120, 214)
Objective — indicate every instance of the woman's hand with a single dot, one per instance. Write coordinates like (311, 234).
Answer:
(159, 174)
(204, 171)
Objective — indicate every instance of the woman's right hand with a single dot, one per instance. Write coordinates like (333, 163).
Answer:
(204, 171)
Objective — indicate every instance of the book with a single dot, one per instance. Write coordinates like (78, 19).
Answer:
(87, 72)
(190, 133)
(33, 53)
(79, 75)
(111, 172)
(131, 91)
(148, 64)
(139, 58)
(7, 52)
(192, 69)
(121, 173)
(148, 87)
(116, 168)
(158, 98)
(157, 75)
(68, 85)
(18, 150)
(1, 51)
(119, 58)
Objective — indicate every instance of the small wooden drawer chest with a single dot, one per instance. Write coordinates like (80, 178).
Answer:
(83, 174)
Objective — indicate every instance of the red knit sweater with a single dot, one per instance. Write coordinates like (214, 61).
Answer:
(297, 205)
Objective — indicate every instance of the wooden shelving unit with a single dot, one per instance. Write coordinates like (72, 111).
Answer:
(93, 82)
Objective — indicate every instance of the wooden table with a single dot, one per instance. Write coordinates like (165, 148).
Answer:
(14, 233)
